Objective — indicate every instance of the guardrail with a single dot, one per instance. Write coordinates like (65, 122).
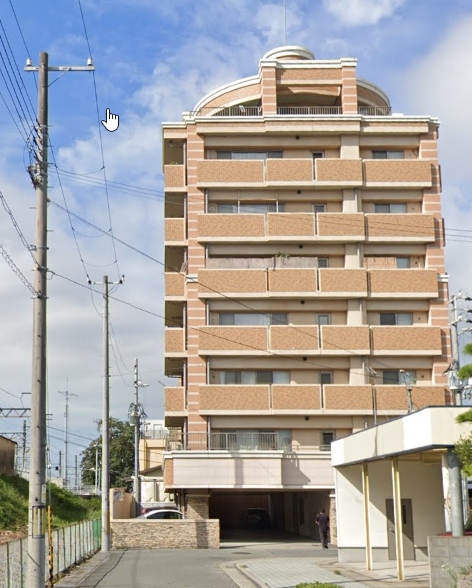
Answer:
(375, 110)
(228, 111)
(309, 110)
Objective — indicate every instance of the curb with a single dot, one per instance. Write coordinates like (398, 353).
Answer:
(83, 571)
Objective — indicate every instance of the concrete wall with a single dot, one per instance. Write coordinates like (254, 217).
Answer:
(121, 504)
(445, 553)
(420, 482)
(165, 534)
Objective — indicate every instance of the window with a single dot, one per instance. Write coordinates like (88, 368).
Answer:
(249, 208)
(390, 208)
(396, 318)
(253, 319)
(403, 262)
(249, 154)
(326, 378)
(249, 378)
(387, 154)
(323, 262)
(327, 437)
(318, 154)
(395, 377)
(317, 208)
(323, 319)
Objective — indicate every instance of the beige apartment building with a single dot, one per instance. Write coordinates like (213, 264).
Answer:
(305, 290)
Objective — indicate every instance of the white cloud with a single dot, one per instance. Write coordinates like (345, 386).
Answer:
(353, 13)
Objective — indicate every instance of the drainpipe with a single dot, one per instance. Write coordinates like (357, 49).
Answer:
(206, 201)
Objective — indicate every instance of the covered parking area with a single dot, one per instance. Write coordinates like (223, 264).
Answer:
(398, 483)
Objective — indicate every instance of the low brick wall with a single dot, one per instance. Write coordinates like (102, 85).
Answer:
(162, 534)
(447, 556)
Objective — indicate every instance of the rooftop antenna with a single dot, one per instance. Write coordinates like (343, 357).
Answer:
(285, 23)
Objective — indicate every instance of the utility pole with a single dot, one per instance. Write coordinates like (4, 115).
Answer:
(60, 464)
(454, 383)
(67, 395)
(76, 481)
(36, 556)
(135, 415)
(106, 416)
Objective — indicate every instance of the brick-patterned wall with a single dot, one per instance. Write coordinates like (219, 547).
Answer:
(391, 397)
(286, 170)
(397, 171)
(302, 397)
(290, 74)
(174, 398)
(339, 170)
(429, 396)
(340, 224)
(174, 176)
(175, 229)
(343, 280)
(333, 523)
(234, 398)
(345, 338)
(396, 281)
(168, 473)
(299, 337)
(198, 507)
(292, 280)
(406, 338)
(185, 534)
(347, 397)
(232, 281)
(420, 226)
(174, 340)
(246, 339)
(369, 96)
(232, 96)
(174, 284)
(291, 224)
(268, 90)
(231, 225)
(349, 89)
(229, 172)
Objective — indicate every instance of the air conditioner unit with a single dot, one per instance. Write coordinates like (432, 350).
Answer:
(212, 209)
(213, 320)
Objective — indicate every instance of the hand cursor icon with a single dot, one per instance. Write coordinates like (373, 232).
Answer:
(112, 121)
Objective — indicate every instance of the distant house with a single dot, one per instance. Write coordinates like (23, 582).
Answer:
(7, 456)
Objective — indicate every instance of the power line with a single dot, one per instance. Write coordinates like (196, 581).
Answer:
(16, 270)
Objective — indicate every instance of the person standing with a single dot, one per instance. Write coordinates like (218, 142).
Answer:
(322, 520)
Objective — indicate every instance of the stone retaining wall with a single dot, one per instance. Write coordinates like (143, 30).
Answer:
(165, 534)
(448, 557)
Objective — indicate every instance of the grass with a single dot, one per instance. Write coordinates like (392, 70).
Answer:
(67, 508)
(316, 585)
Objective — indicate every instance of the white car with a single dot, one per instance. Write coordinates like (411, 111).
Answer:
(162, 514)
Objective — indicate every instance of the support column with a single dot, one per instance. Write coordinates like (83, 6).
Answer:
(366, 493)
(455, 490)
(198, 505)
(333, 526)
(397, 510)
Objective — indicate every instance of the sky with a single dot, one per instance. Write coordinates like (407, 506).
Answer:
(155, 59)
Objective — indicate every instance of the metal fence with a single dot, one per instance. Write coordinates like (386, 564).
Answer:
(309, 110)
(70, 545)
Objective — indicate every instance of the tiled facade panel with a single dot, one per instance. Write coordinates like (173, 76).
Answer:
(399, 226)
(212, 171)
(397, 281)
(345, 338)
(299, 337)
(289, 170)
(347, 397)
(231, 225)
(339, 170)
(340, 224)
(248, 91)
(269, 90)
(292, 280)
(174, 176)
(175, 229)
(397, 171)
(247, 339)
(349, 90)
(235, 281)
(329, 74)
(343, 280)
(234, 398)
(407, 339)
(423, 396)
(174, 399)
(174, 284)
(169, 473)
(296, 397)
(291, 224)
(370, 97)
(174, 340)
(391, 397)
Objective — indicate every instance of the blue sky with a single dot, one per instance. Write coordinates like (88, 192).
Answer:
(154, 59)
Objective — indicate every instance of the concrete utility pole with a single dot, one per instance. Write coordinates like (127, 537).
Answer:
(36, 556)
(454, 383)
(67, 395)
(136, 413)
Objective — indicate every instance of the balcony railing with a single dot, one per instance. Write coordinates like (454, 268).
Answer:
(308, 110)
(375, 110)
(228, 111)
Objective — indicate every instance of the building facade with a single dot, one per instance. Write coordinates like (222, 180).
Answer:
(305, 288)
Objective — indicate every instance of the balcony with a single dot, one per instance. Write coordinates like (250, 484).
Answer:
(291, 224)
(309, 110)
(240, 282)
(228, 111)
(294, 339)
(350, 227)
(174, 178)
(175, 231)
(343, 282)
(174, 286)
(292, 282)
(175, 342)
(295, 398)
(227, 227)
(375, 110)
(174, 400)
(401, 228)
(234, 399)
(225, 340)
(214, 172)
(338, 172)
(408, 283)
(343, 340)
(282, 172)
(409, 340)
(399, 172)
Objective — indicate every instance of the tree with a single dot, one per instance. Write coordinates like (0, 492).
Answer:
(463, 447)
(465, 371)
(121, 454)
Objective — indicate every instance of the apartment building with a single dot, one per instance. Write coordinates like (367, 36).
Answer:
(305, 289)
